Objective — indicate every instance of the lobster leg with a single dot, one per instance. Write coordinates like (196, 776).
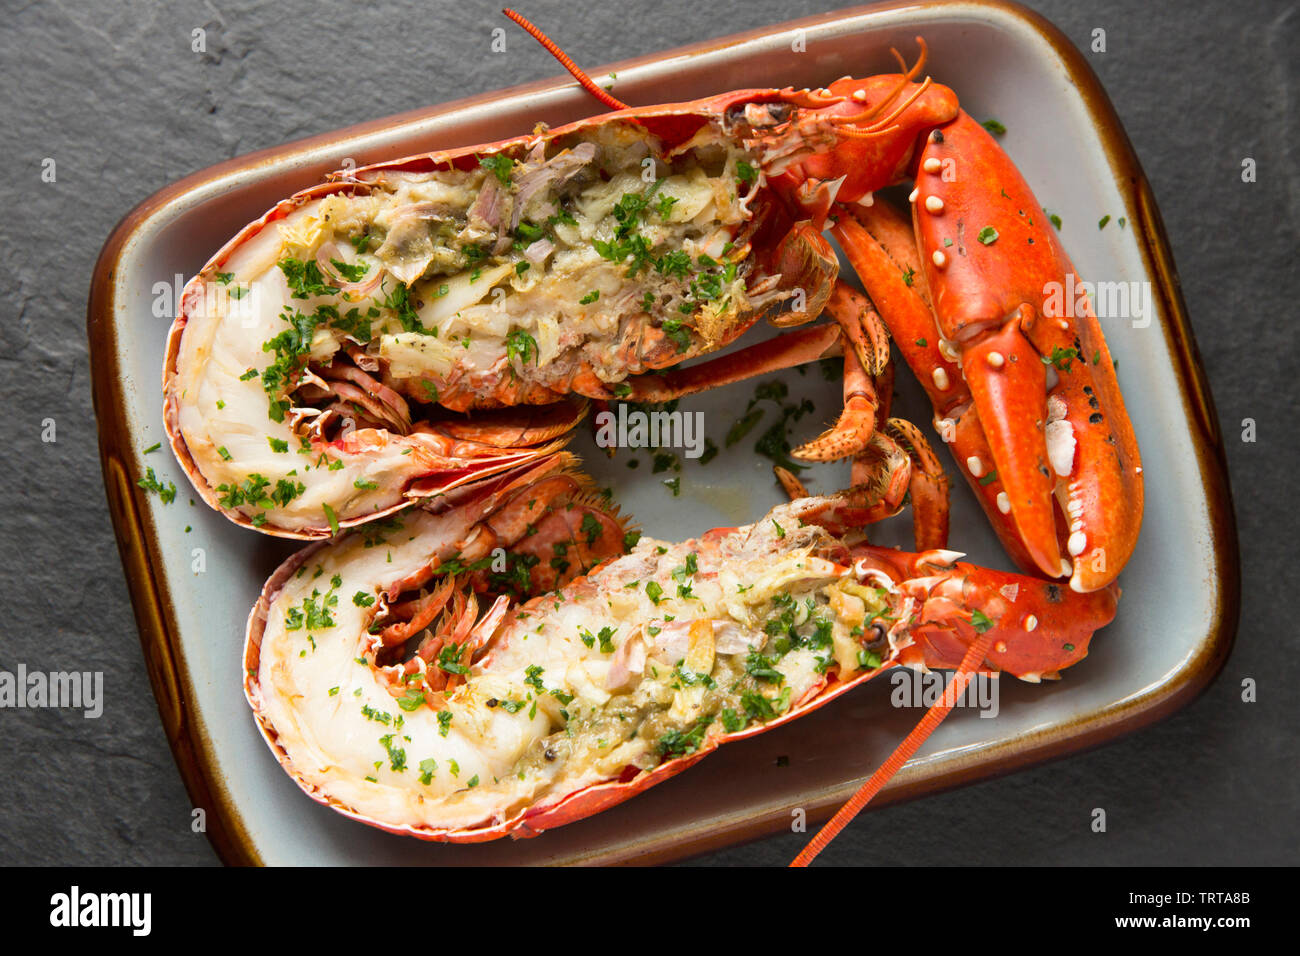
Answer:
(865, 359)
(784, 351)
(542, 526)
(927, 485)
(862, 325)
(881, 247)
(998, 276)
(853, 430)
(897, 462)
(504, 428)
(790, 484)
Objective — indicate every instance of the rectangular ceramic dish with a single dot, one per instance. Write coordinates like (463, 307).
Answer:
(1176, 619)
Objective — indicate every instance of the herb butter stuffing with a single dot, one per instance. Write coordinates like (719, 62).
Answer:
(443, 721)
(539, 256)
(506, 276)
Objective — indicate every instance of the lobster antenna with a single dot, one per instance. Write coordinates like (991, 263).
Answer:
(881, 126)
(920, 58)
(553, 48)
(933, 718)
(908, 75)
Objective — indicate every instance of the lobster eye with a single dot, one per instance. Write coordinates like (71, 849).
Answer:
(779, 112)
(878, 637)
(759, 115)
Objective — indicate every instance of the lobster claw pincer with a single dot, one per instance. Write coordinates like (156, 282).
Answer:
(1036, 363)
(1039, 626)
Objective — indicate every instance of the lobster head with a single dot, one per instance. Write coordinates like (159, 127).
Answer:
(843, 142)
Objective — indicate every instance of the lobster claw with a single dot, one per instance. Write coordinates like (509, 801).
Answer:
(1039, 627)
(971, 619)
(1037, 365)
(1008, 385)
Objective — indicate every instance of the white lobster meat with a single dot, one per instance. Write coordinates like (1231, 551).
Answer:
(529, 717)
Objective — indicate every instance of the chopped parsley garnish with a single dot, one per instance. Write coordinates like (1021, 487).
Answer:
(678, 333)
(520, 345)
(352, 273)
(527, 232)
(150, 482)
(743, 426)
(290, 347)
(396, 755)
(605, 637)
(633, 250)
(732, 721)
(665, 461)
(676, 263)
(411, 700)
(591, 528)
(499, 166)
(449, 660)
(533, 678)
(305, 278)
(399, 301)
(690, 567)
(868, 660)
(312, 615)
(1061, 358)
(762, 668)
(664, 206)
(677, 743)
(757, 707)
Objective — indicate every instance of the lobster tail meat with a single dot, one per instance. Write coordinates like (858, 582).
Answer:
(524, 272)
(541, 713)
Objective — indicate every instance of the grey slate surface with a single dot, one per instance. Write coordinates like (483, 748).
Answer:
(112, 92)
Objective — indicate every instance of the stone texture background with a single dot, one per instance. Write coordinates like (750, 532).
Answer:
(112, 92)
